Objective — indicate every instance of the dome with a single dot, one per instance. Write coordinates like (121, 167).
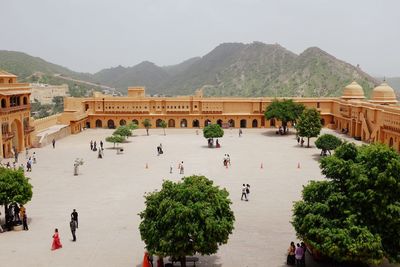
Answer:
(353, 91)
(383, 94)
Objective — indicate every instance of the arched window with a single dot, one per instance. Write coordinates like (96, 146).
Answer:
(122, 122)
(219, 122)
(135, 122)
(323, 122)
(25, 100)
(243, 123)
(183, 123)
(110, 124)
(99, 124)
(231, 123)
(254, 124)
(171, 123)
(207, 122)
(158, 123)
(196, 123)
(3, 103)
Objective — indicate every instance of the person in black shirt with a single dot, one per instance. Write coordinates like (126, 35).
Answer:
(74, 217)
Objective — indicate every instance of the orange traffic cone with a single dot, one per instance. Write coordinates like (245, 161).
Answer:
(146, 262)
(298, 165)
(262, 166)
(147, 165)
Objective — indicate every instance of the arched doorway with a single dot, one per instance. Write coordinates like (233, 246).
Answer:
(254, 124)
(207, 122)
(3, 103)
(110, 124)
(135, 122)
(183, 123)
(16, 129)
(196, 123)
(219, 122)
(88, 124)
(272, 122)
(171, 123)
(122, 122)
(99, 124)
(391, 142)
(25, 100)
(231, 123)
(158, 123)
(323, 122)
(243, 123)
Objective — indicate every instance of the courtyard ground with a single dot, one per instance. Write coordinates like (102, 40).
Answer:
(108, 195)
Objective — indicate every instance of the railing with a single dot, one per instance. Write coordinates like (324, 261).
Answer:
(7, 136)
(29, 129)
(14, 109)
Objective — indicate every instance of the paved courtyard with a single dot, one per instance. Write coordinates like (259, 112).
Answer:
(108, 194)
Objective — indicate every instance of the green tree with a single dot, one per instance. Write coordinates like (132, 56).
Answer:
(147, 124)
(123, 131)
(213, 131)
(309, 124)
(187, 217)
(133, 126)
(14, 188)
(327, 142)
(286, 111)
(115, 139)
(163, 125)
(354, 215)
(58, 104)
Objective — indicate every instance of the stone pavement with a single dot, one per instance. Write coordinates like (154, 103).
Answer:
(108, 195)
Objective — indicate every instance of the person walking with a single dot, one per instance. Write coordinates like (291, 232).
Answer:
(298, 255)
(26, 153)
(54, 143)
(170, 169)
(91, 144)
(240, 132)
(247, 191)
(56, 241)
(291, 260)
(34, 157)
(101, 145)
(25, 221)
(72, 225)
(303, 259)
(181, 168)
(74, 217)
(244, 194)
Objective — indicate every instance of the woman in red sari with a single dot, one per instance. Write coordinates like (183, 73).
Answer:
(56, 241)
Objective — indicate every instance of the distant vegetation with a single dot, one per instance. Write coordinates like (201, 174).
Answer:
(231, 69)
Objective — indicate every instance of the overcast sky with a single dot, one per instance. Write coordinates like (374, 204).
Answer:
(89, 35)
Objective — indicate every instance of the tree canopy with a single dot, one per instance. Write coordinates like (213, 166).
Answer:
(163, 124)
(354, 214)
(133, 126)
(285, 111)
(309, 124)
(213, 131)
(327, 142)
(123, 131)
(14, 187)
(147, 124)
(186, 217)
(115, 139)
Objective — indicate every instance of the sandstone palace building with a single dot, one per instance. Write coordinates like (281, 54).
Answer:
(371, 120)
(14, 114)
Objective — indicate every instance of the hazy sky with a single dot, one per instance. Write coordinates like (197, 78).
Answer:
(89, 35)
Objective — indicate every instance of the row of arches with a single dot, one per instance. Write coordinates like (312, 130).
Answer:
(14, 101)
(183, 123)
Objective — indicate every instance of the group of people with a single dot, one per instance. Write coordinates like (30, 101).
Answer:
(30, 161)
(93, 145)
(245, 192)
(297, 254)
(300, 140)
(15, 215)
(73, 224)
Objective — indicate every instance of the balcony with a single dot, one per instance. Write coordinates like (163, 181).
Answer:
(7, 136)
(14, 109)
(28, 129)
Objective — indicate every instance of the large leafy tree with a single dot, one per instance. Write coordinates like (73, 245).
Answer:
(133, 126)
(14, 188)
(309, 124)
(123, 131)
(187, 217)
(355, 214)
(147, 124)
(286, 111)
(327, 142)
(213, 131)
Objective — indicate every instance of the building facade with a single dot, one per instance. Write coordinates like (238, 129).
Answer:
(374, 120)
(15, 119)
(44, 93)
